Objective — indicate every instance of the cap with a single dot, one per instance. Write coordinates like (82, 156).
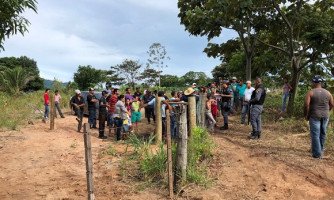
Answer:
(189, 91)
(194, 84)
(248, 82)
(104, 92)
(317, 79)
(91, 89)
(226, 81)
(77, 92)
(234, 78)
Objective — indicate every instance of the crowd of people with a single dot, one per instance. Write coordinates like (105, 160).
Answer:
(123, 111)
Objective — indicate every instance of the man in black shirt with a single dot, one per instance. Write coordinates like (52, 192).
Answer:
(137, 93)
(92, 100)
(78, 103)
(102, 114)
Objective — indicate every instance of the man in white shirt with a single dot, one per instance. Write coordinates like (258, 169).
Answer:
(245, 105)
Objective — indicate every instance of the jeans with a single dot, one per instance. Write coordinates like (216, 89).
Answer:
(285, 99)
(255, 117)
(318, 135)
(110, 120)
(47, 111)
(92, 117)
(244, 112)
(119, 124)
(210, 120)
(59, 110)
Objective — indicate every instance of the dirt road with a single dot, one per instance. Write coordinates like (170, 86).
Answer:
(40, 164)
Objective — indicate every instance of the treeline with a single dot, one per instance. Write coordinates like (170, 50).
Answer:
(132, 73)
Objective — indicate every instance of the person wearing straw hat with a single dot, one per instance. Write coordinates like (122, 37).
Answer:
(78, 103)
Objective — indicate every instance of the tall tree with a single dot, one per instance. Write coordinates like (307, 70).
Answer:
(11, 18)
(13, 80)
(27, 64)
(129, 70)
(87, 76)
(157, 58)
(150, 76)
(302, 31)
(200, 78)
(171, 81)
(211, 17)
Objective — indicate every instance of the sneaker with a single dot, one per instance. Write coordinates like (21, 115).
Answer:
(62, 116)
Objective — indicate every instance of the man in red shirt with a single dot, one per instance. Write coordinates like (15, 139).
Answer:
(46, 104)
(112, 104)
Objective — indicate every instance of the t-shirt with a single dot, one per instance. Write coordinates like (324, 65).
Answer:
(135, 106)
(46, 98)
(129, 96)
(103, 105)
(137, 94)
(241, 89)
(79, 101)
(57, 98)
(91, 97)
(112, 102)
(248, 93)
(163, 106)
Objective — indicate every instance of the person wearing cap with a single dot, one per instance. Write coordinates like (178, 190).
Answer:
(256, 102)
(102, 114)
(194, 86)
(245, 104)
(78, 104)
(226, 100)
(92, 100)
(318, 103)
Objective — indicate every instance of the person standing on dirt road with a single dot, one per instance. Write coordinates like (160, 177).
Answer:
(226, 103)
(78, 103)
(120, 115)
(46, 104)
(256, 103)
(245, 103)
(286, 93)
(92, 100)
(102, 114)
(318, 103)
(57, 102)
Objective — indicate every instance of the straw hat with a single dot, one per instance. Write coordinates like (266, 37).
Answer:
(189, 91)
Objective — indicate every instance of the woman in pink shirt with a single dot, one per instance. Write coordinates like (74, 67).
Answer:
(57, 102)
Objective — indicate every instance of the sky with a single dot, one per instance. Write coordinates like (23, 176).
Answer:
(102, 33)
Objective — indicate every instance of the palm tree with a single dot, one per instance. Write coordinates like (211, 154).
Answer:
(14, 80)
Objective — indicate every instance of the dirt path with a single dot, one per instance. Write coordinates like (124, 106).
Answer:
(40, 164)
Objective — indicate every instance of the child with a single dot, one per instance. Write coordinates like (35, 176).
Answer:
(127, 122)
(210, 120)
(136, 114)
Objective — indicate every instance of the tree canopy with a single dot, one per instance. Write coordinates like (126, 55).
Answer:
(88, 76)
(11, 19)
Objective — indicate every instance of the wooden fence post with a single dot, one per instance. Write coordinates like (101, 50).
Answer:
(52, 112)
(203, 97)
(181, 160)
(192, 113)
(89, 162)
(158, 120)
(169, 156)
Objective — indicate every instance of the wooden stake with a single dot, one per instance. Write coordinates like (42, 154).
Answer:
(192, 113)
(158, 120)
(169, 156)
(203, 109)
(52, 112)
(182, 143)
(89, 162)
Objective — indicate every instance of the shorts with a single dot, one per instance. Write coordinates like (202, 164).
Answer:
(135, 117)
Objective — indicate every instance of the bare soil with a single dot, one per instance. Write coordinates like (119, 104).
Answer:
(37, 163)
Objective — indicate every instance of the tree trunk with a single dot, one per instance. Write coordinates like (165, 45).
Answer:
(295, 62)
(248, 66)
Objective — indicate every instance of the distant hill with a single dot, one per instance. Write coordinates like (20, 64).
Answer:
(48, 83)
